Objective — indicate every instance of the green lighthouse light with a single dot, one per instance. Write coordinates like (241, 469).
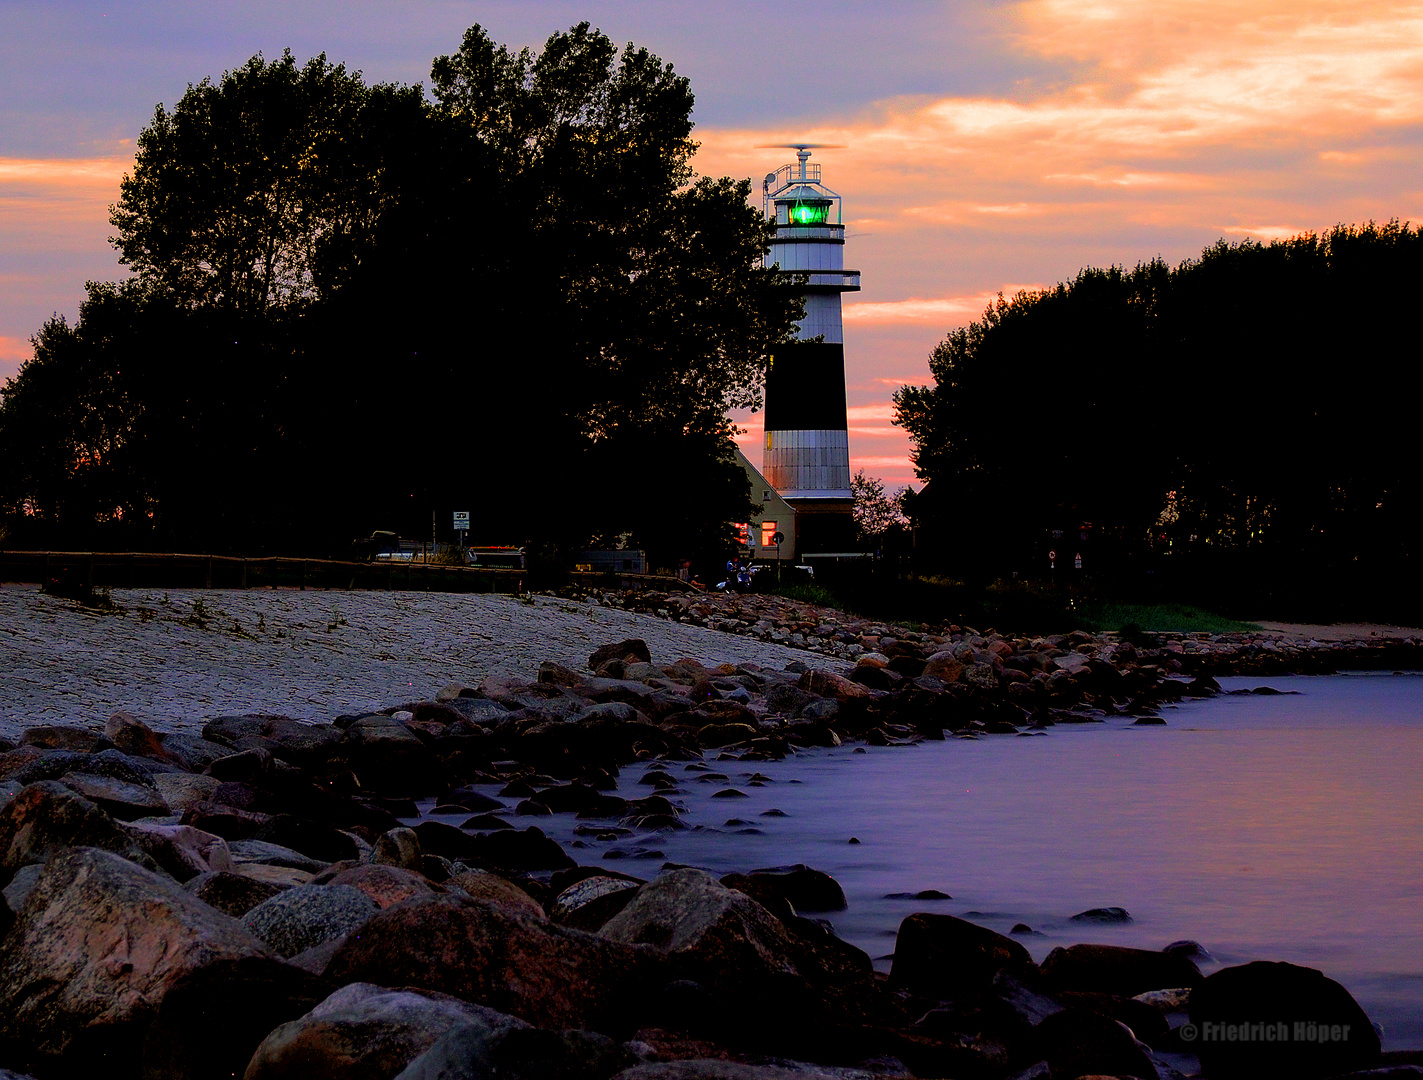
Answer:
(810, 213)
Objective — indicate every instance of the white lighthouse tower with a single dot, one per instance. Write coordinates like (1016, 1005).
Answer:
(807, 452)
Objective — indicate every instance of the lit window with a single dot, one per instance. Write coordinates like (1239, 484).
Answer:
(768, 440)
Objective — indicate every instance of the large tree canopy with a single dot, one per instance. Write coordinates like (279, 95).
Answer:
(353, 306)
(1251, 408)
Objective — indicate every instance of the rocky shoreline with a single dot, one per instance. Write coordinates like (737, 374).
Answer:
(267, 899)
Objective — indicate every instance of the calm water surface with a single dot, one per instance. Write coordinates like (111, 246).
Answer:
(1273, 828)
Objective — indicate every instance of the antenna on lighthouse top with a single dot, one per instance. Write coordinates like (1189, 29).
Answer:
(797, 179)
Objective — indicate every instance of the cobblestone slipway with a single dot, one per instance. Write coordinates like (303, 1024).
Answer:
(175, 659)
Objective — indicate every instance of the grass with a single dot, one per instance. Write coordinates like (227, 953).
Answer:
(1179, 618)
(810, 594)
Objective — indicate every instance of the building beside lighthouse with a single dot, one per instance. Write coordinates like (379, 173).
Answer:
(806, 455)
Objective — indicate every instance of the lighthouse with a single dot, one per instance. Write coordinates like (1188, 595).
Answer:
(807, 450)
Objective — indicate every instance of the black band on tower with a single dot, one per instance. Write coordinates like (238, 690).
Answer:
(805, 387)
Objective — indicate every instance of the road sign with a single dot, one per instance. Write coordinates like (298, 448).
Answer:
(462, 521)
(1052, 556)
(1078, 560)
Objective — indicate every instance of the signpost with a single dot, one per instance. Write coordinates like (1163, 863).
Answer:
(1052, 560)
(462, 524)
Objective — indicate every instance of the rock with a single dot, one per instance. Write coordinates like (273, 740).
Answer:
(361, 1032)
(210, 1022)
(191, 752)
(388, 757)
(491, 887)
(980, 676)
(399, 847)
(46, 817)
(943, 666)
(631, 651)
(942, 956)
(181, 850)
(284, 876)
(1103, 915)
(386, 885)
(289, 740)
(549, 975)
(259, 851)
(1325, 1031)
(714, 735)
(515, 850)
(1077, 1043)
(1147, 1023)
(478, 1052)
(18, 891)
(232, 894)
(803, 888)
(247, 767)
(63, 737)
(98, 945)
(311, 838)
(1114, 969)
(717, 936)
(828, 684)
(302, 918)
(121, 800)
(718, 1069)
(183, 791)
(133, 736)
(589, 904)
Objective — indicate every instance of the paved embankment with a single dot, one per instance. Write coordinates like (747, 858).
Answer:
(309, 655)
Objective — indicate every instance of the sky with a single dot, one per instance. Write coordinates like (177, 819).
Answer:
(989, 146)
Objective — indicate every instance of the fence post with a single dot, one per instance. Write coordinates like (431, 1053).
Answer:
(303, 575)
(244, 573)
(207, 574)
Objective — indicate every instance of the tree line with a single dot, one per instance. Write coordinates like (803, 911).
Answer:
(1244, 419)
(351, 305)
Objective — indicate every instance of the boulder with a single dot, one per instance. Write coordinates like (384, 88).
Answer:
(119, 799)
(803, 888)
(182, 791)
(1078, 1043)
(289, 740)
(479, 1052)
(480, 885)
(1115, 969)
(388, 756)
(211, 1022)
(631, 651)
(46, 817)
(549, 975)
(516, 850)
(399, 848)
(133, 736)
(719, 1069)
(940, 956)
(361, 1032)
(717, 936)
(386, 885)
(588, 904)
(232, 894)
(63, 737)
(309, 837)
(191, 752)
(18, 891)
(259, 851)
(98, 945)
(181, 850)
(828, 684)
(298, 919)
(1301, 1024)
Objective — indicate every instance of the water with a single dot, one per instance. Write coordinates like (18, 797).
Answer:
(1266, 828)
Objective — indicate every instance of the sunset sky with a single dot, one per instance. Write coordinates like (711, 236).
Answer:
(990, 146)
